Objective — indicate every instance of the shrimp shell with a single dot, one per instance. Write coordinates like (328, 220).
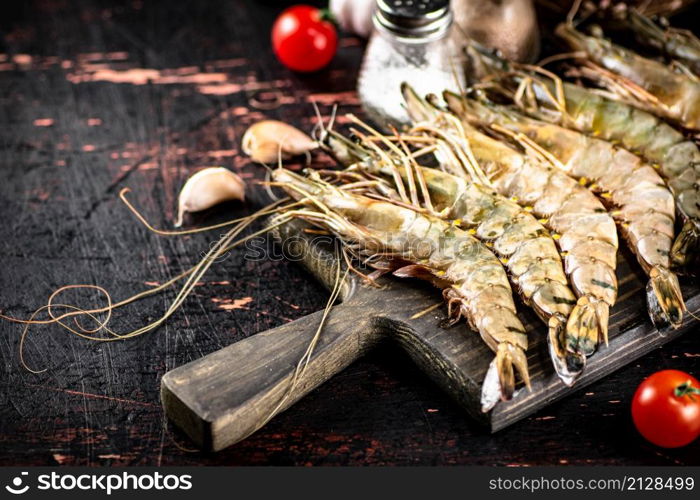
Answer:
(526, 249)
(645, 207)
(473, 280)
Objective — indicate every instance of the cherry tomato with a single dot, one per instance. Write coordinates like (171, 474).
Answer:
(302, 39)
(666, 408)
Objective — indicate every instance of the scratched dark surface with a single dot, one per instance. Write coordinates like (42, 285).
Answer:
(97, 96)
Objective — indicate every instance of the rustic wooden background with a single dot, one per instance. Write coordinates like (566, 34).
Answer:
(96, 96)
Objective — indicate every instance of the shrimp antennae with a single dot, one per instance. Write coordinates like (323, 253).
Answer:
(572, 12)
(404, 159)
(223, 245)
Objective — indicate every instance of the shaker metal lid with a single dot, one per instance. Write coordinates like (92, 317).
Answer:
(413, 18)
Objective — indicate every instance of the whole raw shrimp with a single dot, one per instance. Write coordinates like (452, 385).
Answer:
(645, 82)
(640, 201)
(473, 280)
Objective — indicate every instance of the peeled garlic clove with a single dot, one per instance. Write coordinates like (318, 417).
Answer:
(267, 140)
(209, 187)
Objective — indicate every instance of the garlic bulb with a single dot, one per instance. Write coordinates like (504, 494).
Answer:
(354, 16)
(209, 187)
(268, 140)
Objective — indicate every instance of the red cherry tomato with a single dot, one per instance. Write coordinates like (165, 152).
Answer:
(302, 39)
(666, 408)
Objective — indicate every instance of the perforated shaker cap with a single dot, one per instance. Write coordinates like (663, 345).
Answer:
(419, 19)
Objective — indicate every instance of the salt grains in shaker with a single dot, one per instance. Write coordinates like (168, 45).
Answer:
(411, 43)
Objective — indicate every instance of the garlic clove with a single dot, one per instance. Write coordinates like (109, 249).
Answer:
(208, 187)
(267, 140)
(354, 16)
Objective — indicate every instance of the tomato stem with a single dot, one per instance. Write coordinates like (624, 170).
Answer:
(327, 15)
(686, 389)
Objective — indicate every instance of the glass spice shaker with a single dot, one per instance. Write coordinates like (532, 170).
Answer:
(411, 43)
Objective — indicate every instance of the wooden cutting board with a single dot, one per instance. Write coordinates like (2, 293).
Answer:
(227, 395)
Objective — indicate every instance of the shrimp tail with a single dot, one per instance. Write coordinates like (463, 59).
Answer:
(568, 365)
(499, 383)
(686, 248)
(664, 300)
(587, 324)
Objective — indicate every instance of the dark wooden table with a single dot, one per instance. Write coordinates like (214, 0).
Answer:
(97, 96)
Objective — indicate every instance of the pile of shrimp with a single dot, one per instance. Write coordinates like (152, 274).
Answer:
(521, 184)
(638, 116)
(488, 204)
(516, 187)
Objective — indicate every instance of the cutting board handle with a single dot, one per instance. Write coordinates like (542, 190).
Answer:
(229, 394)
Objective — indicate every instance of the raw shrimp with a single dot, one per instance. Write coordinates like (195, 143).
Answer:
(644, 82)
(584, 231)
(643, 205)
(474, 283)
(677, 158)
(525, 247)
